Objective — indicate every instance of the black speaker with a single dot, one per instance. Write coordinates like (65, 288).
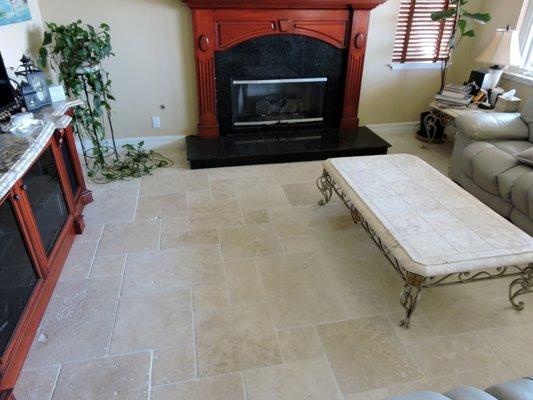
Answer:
(478, 76)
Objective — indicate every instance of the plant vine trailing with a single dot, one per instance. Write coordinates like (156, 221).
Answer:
(76, 52)
(461, 28)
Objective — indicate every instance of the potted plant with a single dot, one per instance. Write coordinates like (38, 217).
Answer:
(76, 52)
(461, 28)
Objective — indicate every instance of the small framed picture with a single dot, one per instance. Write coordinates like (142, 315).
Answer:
(36, 94)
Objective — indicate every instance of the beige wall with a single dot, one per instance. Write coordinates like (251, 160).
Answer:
(21, 38)
(155, 65)
(154, 62)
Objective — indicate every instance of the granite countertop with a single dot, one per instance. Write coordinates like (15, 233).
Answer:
(18, 152)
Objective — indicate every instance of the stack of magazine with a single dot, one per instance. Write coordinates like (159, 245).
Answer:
(453, 95)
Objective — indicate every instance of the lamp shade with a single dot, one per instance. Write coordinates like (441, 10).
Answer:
(504, 49)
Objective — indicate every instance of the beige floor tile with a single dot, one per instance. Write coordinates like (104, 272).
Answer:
(297, 292)
(78, 322)
(511, 343)
(113, 193)
(161, 206)
(170, 269)
(122, 378)
(481, 379)
(256, 217)
(249, 171)
(259, 193)
(79, 260)
(454, 320)
(420, 328)
(453, 354)
(366, 354)
(297, 172)
(129, 238)
(299, 344)
(244, 285)
(216, 213)
(301, 193)
(198, 240)
(173, 365)
(298, 220)
(36, 384)
(174, 181)
(91, 233)
(227, 387)
(108, 266)
(210, 297)
(166, 321)
(177, 224)
(110, 212)
(248, 241)
(235, 340)
(309, 379)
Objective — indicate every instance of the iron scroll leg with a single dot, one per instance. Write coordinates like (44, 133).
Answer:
(324, 185)
(521, 286)
(410, 297)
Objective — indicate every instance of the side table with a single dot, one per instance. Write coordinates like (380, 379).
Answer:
(439, 114)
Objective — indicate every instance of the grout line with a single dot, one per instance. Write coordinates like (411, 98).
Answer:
(194, 340)
(226, 283)
(150, 374)
(325, 355)
(118, 303)
(55, 383)
(244, 386)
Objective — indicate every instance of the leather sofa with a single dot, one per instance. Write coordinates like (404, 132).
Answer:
(519, 389)
(483, 162)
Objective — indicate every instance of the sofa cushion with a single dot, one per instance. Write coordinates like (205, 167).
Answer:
(520, 193)
(488, 164)
(492, 126)
(421, 396)
(468, 393)
(507, 179)
(527, 116)
(468, 155)
(525, 157)
(513, 146)
(520, 389)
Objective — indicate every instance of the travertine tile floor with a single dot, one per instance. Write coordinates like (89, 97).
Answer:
(233, 284)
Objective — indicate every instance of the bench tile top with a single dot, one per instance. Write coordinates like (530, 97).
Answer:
(429, 223)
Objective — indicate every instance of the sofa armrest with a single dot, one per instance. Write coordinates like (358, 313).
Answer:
(492, 126)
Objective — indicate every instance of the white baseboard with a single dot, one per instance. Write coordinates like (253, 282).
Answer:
(150, 142)
(395, 127)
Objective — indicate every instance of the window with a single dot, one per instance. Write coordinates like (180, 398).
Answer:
(418, 38)
(525, 27)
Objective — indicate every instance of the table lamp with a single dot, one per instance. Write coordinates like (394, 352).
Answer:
(503, 51)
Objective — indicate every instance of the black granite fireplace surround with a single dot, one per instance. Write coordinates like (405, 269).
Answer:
(280, 57)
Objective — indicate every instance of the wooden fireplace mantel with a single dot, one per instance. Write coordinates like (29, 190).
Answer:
(220, 25)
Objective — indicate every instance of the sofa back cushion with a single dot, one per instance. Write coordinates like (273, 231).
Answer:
(527, 117)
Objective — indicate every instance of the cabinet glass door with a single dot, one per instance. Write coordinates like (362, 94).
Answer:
(17, 274)
(67, 158)
(46, 199)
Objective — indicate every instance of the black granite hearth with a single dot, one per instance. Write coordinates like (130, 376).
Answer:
(282, 146)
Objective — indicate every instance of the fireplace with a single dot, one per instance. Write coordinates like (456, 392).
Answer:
(279, 81)
(274, 102)
(327, 35)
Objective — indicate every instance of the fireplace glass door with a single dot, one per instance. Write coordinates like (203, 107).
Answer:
(278, 101)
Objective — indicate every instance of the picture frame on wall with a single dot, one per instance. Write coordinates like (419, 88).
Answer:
(14, 11)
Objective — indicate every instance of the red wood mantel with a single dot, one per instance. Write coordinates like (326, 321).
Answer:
(219, 25)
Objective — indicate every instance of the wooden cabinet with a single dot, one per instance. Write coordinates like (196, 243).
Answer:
(39, 219)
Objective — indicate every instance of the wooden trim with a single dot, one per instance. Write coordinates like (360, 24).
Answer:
(276, 4)
(48, 269)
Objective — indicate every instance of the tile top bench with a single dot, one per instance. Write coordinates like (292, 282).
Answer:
(432, 230)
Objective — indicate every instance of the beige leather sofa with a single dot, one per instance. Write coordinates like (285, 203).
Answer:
(483, 162)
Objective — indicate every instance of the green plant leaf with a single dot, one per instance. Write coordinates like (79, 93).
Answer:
(43, 57)
(440, 15)
(470, 33)
(461, 24)
(478, 17)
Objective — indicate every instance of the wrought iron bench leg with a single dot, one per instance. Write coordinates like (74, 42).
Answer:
(410, 297)
(521, 286)
(325, 188)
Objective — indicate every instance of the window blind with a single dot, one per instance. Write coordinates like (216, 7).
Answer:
(418, 38)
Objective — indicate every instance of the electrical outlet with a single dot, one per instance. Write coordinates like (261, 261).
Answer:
(156, 122)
